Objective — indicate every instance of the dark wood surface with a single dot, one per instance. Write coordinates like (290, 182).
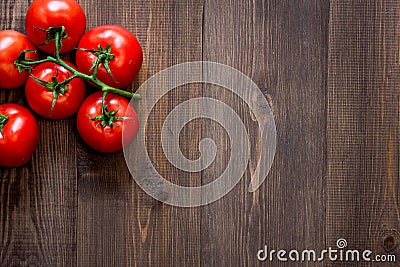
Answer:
(363, 125)
(330, 71)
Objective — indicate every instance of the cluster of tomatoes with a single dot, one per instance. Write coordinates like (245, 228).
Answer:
(108, 57)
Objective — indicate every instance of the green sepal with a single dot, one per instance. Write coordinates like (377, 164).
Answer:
(104, 56)
(55, 86)
(3, 121)
(107, 118)
(51, 35)
(23, 63)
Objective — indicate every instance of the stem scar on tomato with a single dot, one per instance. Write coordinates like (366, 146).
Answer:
(102, 119)
(125, 47)
(19, 135)
(104, 56)
(26, 64)
(51, 34)
(107, 118)
(55, 86)
(46, 17)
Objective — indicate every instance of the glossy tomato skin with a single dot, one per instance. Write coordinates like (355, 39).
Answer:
(124, 46)
(108, 139)
(19, 136)
(43, 14)
(40, 98)
(12, 43)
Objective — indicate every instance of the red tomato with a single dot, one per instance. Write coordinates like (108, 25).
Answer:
(19, 135)
(107, 138)
(43, 14)
(40, 98)
(126, 60)
(12, 43)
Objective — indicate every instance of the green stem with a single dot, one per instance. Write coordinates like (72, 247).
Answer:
(31, 63)
(66, 81)
(121, 93)
(107, 118)
(3, 121)
(103, 101)
(57, 41)
(77, 74)
(26, 63)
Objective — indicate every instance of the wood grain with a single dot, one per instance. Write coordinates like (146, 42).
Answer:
(119, 224)
(38, 201)
(282, 46)
(330, 71)
(363, 129)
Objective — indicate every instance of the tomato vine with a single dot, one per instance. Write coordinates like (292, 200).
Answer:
(103, 54)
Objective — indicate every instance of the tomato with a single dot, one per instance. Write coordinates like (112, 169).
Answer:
(43, 14)
(19, 135)
(12, 43)
(124, 60)
(97, 133)
(40, 98)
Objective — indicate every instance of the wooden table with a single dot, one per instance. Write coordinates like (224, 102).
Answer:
(330, 71)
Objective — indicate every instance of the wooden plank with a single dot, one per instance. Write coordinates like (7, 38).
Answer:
(363, 128)
(119, 224)
(38, 201)
(282, 46)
